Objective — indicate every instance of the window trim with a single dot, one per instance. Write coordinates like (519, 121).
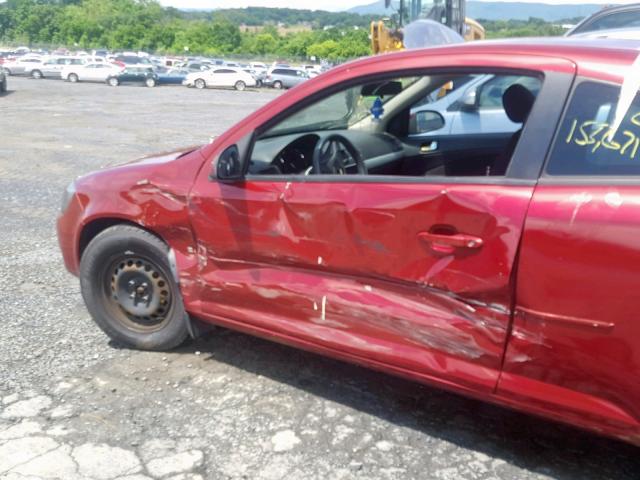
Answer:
(521, 171)
(559, 180)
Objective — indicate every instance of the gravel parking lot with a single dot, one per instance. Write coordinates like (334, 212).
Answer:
(75, 406)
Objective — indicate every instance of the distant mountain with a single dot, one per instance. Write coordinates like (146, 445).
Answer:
(523, 11)
(499, 10)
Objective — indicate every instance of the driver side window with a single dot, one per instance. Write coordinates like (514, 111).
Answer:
(453, 125)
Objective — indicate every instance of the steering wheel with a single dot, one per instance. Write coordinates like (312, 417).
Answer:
(333, 154)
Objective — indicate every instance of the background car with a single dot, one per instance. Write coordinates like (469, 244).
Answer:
(259, 67)
(133, 75)
(281, 77)
(20, 65)
(196, 66)
(3, 80)
(312, 70)
(52, 67)
(473, 105)
(224, 77)
(632, 33)
(132, 61)
(609, 18)
(171, 76)
(258, 77)
(89, 72)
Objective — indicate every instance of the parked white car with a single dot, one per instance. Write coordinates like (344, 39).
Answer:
(259, 67)
(52, 67)
(90, 72)
(21, 65)
(220, 78)
(312, 70)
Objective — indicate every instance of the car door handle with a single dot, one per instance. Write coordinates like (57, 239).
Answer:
(429, 147)
(448, 243)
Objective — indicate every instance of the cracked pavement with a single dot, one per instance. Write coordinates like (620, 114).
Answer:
(228, 406)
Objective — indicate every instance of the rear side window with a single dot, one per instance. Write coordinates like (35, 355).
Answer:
(583, 145)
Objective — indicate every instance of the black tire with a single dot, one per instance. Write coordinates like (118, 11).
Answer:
(200, 84)
(7, 71)
(277, 85)
(113, 81)
(3, 86)
(116, 269)
(240, 85)
(37, 74)
(73, 78)
(258, 83)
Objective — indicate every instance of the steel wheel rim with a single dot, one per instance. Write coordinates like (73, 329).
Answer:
(138, 294)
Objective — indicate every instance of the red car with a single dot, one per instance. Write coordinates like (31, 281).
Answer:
(502, 263)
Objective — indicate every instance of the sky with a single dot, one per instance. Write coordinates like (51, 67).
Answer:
(332, 5)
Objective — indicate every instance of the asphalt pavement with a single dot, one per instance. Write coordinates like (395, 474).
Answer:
(73, 405)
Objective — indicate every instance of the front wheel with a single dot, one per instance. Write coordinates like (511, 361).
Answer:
(73, 78)
(113, 81)
(240, 85)
(37, 74)
(277, 85)
(127, 285)
(150, 82)
(200, 84)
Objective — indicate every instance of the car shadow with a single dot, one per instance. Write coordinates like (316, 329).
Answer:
(545, 447)
(6, 94)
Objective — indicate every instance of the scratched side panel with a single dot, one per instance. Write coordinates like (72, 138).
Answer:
(577, 328)
(152, 193)
(342, 265)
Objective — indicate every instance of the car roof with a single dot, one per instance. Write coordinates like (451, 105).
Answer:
(632, 33)
(614, 8)
(601, 58)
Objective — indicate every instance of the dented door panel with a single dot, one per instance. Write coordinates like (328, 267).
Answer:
(577, 326)
(343, 265)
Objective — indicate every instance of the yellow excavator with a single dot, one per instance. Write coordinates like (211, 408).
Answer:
(450, 13)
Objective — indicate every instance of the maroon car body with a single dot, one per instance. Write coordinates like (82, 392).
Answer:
(539, 312)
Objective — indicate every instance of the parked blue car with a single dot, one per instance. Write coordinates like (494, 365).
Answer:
(172, 76)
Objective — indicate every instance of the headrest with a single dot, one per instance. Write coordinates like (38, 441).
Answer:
(517, 102)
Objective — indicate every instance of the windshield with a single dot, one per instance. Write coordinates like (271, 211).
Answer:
(343, 109)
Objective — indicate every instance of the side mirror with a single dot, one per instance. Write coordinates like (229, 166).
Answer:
(469, 101)
(228, 165)
(231, 163)
(425, 121)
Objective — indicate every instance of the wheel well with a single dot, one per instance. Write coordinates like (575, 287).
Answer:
(95, 227)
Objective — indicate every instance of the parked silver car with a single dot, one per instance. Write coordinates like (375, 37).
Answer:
(52, 67)
(285, 77)
(471, 105)
(609, 18)
(21, 65)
